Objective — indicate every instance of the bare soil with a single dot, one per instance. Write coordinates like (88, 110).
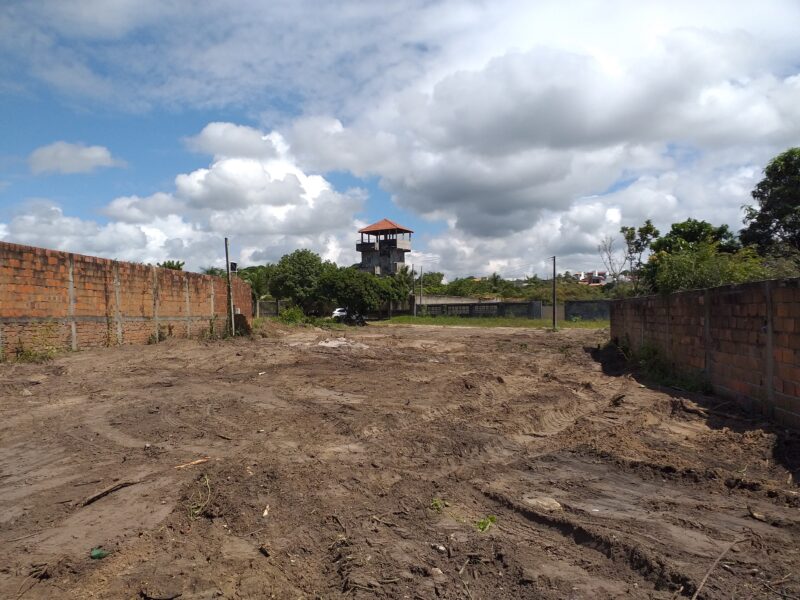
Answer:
(364, 464)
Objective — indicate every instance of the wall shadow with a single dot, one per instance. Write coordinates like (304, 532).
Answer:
(718, 413)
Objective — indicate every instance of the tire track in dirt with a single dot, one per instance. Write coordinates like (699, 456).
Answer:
(653, 568)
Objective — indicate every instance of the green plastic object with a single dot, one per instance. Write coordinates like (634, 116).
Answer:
(98, 553)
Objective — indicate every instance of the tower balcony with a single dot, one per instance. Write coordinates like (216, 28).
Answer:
(366, 246)
(398, 243)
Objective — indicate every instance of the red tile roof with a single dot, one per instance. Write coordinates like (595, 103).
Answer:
(385, 225)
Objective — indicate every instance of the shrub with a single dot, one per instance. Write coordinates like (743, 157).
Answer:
(291, 315)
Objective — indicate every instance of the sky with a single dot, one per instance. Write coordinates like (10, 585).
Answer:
(501, 132)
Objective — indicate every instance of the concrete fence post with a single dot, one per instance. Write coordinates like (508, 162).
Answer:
(117, 307)
(188, 306)
(707, 349)
(212, 300)
(155, 303)
(769, 358)
(668, 327)
(71, 306)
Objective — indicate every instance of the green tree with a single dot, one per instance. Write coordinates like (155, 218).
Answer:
(403, 282)
(774, 225)
(496, 282)
(258, 277)
(175, 265)
(213, 271)
(355, 290)
(703, 265)
(637, 242)
(462, 286)
(296, 277)
(687, 233)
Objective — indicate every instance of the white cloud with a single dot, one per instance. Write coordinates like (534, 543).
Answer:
(268, 206)
(134, 209)
(230, 140)
(679, 110)
(510, 121)
(65, 157)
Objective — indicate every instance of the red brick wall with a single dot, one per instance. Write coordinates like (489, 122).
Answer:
(58, 300)
(744, 339)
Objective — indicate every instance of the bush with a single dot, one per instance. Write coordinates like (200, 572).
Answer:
(291, 315)
(703, 266)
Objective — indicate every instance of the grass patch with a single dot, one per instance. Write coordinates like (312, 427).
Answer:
(438, 505)
(322, 322)
(495, 322)
(484, 524)
(42, 355)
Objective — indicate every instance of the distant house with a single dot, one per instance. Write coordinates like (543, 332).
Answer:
(592, 278)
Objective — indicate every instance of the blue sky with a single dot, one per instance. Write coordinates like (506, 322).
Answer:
(502, 133)
(152, 146)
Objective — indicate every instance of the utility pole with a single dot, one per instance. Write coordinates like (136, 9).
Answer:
(554, 293)
(420, 290)
(231, 318)
(414, 291)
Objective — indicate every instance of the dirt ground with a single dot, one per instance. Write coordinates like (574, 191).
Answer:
(386, 462)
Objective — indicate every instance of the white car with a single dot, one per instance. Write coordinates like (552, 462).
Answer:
(339, 314)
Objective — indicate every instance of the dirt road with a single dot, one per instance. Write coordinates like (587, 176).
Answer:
(387, 462)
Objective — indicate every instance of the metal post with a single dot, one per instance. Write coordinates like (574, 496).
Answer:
(231, 321)
(554, 293)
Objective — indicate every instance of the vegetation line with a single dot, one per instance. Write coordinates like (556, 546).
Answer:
(491, 322)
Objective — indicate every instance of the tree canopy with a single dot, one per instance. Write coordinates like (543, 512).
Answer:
(214, 271)
(175, 265)
(637, 243)
(258, 277)
(355, 290)
(703, 265)
(775, 223)
(690, 232)
(296, 277)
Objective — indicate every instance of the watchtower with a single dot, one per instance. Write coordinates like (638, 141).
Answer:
(383, 247)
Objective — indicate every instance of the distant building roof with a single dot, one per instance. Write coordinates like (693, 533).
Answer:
(385, 225)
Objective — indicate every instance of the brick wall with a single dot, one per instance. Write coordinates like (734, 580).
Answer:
(744, 339)
(58, 300)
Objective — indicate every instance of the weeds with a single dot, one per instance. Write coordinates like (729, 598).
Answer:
(294, 315)
(199, 499)
(29, 355)
(650, 362)
(161, 336)
(40, 339)
(291, 315)
(438, 505)
(484, 524)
